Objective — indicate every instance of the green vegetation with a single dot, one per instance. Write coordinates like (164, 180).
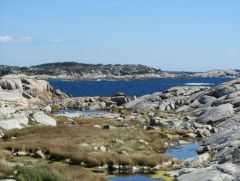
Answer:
(31, 169)
(161, 175)
(37, 174)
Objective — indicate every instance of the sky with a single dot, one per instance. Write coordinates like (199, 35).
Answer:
(188, 35)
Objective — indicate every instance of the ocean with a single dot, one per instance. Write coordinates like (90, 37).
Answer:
(129, 87)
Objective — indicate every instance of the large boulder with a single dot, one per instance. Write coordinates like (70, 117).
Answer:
(135, 104)
(206, 99)
(40, 85)
(6, 112)
(41, 89)
(10, 84)
(230, 168)
(185, 90)
(163, 105)
(216, 114)
(206, 174)
(16, 89)
(223, 90)
(14, 97)
(227, 141)
(152, 97)
(44, 119)
(197, 161)
(14, 123)
(120, 99)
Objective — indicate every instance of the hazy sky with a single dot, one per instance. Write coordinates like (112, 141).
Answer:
(169, 34)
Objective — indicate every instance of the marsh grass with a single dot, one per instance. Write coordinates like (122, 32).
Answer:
(38, 174)
(64, 142)
(161, 175)
(31, 169)
(5, 170)
(77, 174)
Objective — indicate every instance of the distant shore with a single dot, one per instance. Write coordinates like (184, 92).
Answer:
(80, 71)
(126, 77)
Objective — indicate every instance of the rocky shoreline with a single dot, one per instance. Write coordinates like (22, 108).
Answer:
(179, 113)
(79, 71)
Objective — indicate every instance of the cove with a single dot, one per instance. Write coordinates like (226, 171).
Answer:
(180, 152)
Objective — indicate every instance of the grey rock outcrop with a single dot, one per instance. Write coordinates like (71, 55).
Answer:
(224, 114)
(215, 114)
(18, 98)
(171, 100)
(206, 174)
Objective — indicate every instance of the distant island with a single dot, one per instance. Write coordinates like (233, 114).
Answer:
(82, 71)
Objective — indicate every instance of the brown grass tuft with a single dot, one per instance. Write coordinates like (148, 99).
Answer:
(64, 142)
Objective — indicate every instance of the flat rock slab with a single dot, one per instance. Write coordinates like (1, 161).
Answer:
(6, 112)
(216, 114)
(44, 119)
(206, 174)
(14, 123)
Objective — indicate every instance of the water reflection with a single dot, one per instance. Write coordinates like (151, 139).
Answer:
(134, 178)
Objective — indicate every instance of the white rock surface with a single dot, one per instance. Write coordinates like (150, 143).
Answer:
(6, 112)
(206, 174)
(44, 119)
(14, 123)
(197, 161)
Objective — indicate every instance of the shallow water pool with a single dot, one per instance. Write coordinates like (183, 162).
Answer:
(133, 178)
(186, 151)
(84, 112)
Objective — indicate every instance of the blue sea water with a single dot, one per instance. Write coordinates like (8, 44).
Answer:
(129, 87)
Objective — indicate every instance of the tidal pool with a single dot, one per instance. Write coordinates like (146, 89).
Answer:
(134, 178)
(186, 151)
(84, 112)
(180, 152)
